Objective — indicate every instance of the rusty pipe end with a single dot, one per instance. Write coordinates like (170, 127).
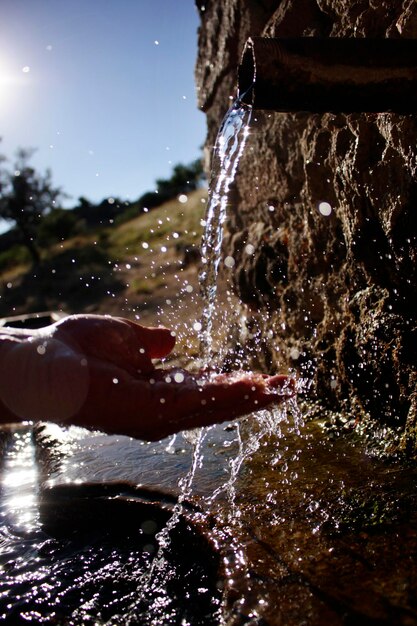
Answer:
(321, 75)
(247, 74)
(256, 52)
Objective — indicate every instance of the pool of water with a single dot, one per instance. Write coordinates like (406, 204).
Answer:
(320, 528)
(85, 553)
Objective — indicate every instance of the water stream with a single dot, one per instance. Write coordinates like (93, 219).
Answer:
(229, 147)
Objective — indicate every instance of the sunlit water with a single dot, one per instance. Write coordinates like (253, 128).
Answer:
(229, 147)
(73, 572)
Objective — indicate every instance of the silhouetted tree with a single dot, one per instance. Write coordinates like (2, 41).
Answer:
(25, 197)
(102, 214)
(58, 225)
(184, 179)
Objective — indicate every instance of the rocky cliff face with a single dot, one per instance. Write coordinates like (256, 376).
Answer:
(333, 293)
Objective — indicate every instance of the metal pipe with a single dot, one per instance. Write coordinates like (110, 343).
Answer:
(329, 75)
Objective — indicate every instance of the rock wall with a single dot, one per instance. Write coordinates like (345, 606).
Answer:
(334, 295)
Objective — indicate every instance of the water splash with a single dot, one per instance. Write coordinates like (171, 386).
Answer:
(229, 147)
(268, 423)
(250, 438)
(154, 582)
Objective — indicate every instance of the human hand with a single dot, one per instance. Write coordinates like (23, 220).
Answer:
(97, 372)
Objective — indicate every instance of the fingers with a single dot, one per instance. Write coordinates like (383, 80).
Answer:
(170, 401)
(200, 402)
(196, 401)
(286, 384)
(117, 340)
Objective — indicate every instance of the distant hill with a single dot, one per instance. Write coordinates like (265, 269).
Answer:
(132, 268)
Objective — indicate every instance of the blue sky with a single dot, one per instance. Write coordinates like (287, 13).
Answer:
(103, 89)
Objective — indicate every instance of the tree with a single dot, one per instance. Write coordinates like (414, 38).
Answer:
(25, 197)
(184, 178)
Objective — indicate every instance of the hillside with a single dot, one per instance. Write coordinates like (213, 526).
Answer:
(145, 269)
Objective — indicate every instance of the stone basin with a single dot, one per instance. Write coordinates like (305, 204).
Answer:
(88, 554)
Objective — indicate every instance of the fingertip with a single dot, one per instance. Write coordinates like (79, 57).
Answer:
(282, 382)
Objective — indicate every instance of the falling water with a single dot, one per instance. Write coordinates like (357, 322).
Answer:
(154, 582)
(230, 143)
(229, 147)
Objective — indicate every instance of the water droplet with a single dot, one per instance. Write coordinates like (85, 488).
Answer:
(294, 354)
(179, 377)
(182, 198)
(197, 326)
(149, 527)
(145, 245)
(229, 261)
(325, 208)
(249, 249)
(26, 69)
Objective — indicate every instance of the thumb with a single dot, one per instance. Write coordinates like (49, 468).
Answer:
(157, 342)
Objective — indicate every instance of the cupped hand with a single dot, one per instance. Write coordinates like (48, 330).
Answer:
(97, 371)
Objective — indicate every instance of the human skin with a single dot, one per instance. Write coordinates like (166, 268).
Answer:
(97, 372)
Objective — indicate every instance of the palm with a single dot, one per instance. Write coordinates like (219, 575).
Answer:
(97, 372)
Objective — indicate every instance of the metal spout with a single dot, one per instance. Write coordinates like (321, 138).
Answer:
(329, 75)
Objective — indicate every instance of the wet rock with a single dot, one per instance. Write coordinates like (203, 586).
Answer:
(335, 287)
(329, 532)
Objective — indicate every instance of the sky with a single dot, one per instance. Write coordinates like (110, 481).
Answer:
(103, 89)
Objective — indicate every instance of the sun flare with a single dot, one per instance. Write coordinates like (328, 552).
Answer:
(6, 75)
(10, 80)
